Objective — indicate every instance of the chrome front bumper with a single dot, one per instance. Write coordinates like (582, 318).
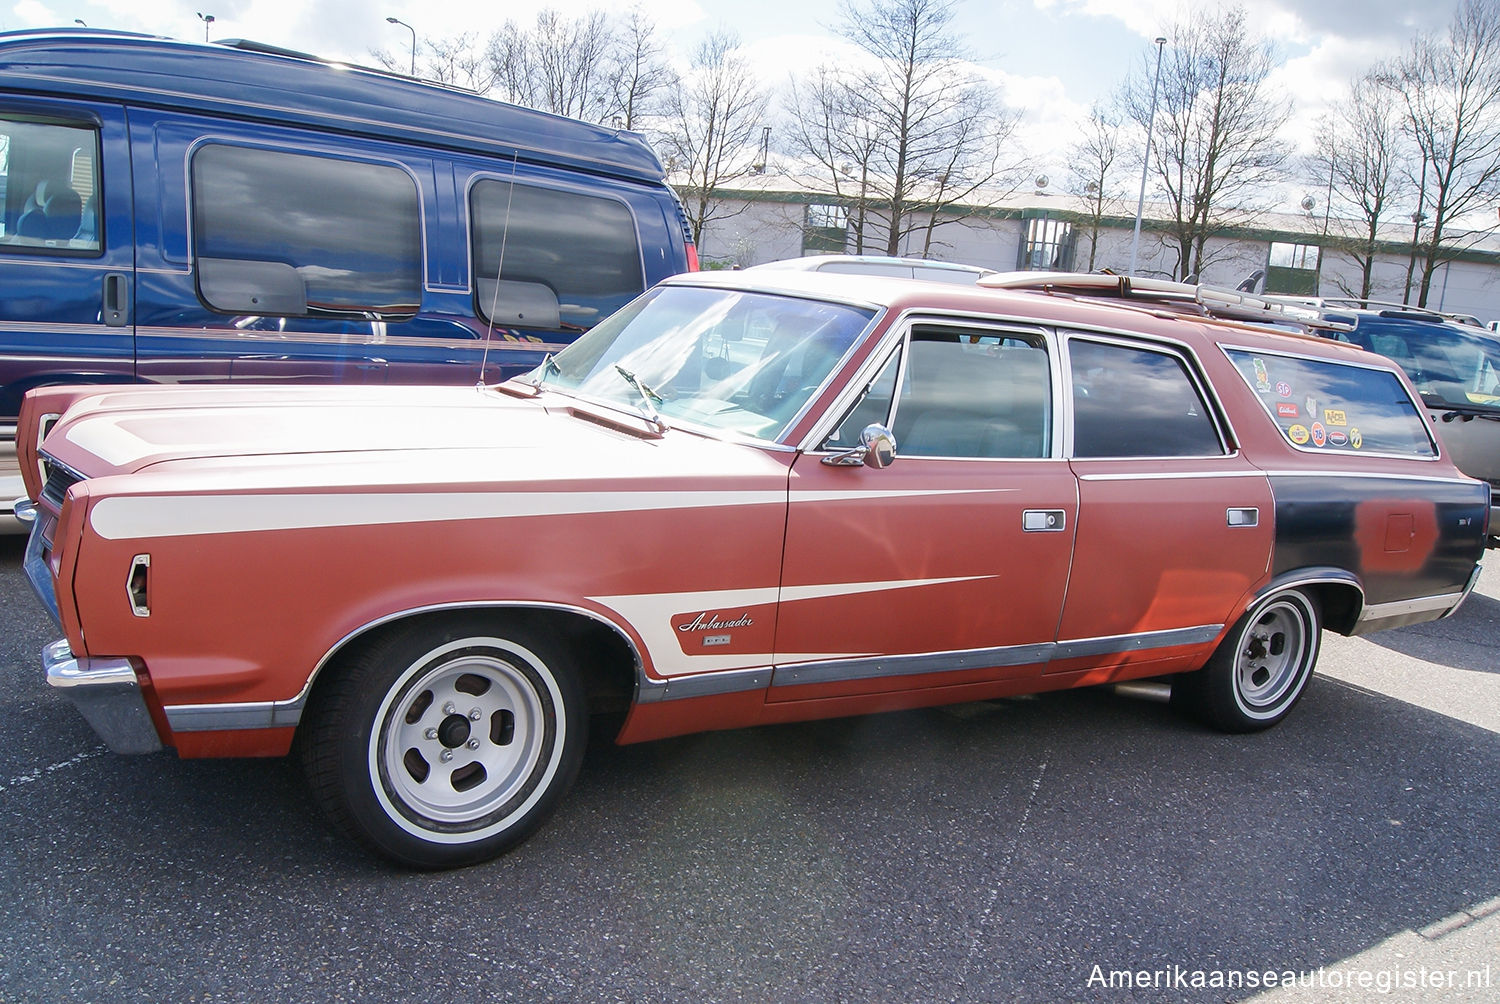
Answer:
(107, 694)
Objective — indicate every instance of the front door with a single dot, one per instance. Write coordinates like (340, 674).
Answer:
(948, 567)
(67, 255)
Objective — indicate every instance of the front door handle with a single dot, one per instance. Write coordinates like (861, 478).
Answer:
(116, 299)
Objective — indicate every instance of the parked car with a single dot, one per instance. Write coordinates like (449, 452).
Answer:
(746, 498)
(1456, 370)
(182, 212)
(929, 269)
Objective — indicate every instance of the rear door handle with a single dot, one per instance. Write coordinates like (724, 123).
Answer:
(116, 299)
(1044, 520)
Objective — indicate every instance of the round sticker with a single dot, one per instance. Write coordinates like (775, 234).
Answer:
(1297, 434)
(1355, 439)
(1337, 439)
(1284, 389)
(1319, 434)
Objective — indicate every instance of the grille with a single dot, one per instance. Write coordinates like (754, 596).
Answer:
(59, 479)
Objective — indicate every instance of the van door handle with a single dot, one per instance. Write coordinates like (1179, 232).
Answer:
(116, 299)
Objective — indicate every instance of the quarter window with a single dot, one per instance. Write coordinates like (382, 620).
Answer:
(1136, 402)
(49, 186)
(1319, 404)
(298, 235)
(545, 258)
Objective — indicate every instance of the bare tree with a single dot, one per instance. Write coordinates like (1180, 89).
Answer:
(713, 123)
(559, 65)
(458, 60)
(638, 73)
(921, 133)
(1450, 88)
(825, 127)
(1215, 152)
(1360, 160)
(1093, 170)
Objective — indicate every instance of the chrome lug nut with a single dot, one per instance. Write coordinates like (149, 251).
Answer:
(449, 709)
(473, 744)
(430, 734)
(475, 715)
(445, 755)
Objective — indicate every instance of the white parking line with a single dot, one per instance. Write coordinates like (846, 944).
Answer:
(42, 772)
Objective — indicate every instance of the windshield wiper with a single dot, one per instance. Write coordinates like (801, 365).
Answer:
(649, 398)
(547, 365)
(1450, 410)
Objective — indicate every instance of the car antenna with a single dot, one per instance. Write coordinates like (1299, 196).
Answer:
(489, 327)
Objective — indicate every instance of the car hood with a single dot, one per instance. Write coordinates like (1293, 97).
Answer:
(225, 439)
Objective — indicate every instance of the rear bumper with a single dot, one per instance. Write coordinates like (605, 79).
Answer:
(108, 695)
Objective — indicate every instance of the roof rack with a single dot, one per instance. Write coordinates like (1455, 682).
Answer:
(1209, 301)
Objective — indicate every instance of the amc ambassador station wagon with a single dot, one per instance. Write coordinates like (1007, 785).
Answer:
(742, 499)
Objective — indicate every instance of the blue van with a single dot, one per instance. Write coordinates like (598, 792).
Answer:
(177, 211)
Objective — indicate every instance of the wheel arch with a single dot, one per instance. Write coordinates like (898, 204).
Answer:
(608, 659)
(1338, 592)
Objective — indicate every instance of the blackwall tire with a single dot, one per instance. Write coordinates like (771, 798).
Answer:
(448, 742)
(1261, 668)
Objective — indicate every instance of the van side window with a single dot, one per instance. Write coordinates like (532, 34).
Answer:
(570, 260)
(1321, 405)
(298, 235)
(1131, 401)
(49, 183)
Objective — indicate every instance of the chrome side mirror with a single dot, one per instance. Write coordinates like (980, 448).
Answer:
(877, 449)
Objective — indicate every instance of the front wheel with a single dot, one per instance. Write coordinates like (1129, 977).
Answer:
(1260, 669)
(447, 743)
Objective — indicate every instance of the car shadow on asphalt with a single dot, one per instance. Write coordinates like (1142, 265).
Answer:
(1469, 640)
(993, 850)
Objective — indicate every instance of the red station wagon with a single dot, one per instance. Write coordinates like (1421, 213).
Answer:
(746, 498)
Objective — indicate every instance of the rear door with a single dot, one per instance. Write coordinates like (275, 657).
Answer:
(1175, 526)
(67, 259)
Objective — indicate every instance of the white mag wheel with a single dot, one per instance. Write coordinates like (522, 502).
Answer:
(446, 746)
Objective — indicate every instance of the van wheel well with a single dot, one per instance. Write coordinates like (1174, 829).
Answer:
(604, 659)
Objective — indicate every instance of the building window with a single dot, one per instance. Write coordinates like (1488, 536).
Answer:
(825, 229)
(1048, 246)
(1293, 269)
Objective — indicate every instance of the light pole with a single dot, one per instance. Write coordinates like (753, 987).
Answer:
(207, 19)
(1140, 205)
(397, 20)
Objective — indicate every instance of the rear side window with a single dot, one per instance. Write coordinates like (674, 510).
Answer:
(298, 235)
(1319, 404)
(563, 261)
(49, 187)
(1130, 401)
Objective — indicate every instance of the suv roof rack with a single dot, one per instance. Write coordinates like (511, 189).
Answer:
(1208, 301)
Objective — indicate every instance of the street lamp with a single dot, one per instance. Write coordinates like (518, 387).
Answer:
(397, 20)
(207, 19)
(1417, 219)
(1140, 205)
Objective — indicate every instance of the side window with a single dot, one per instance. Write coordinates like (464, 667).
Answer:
(874, 406)
(49, 186)
(1319, 404)
(299, 235)
(569, 260)
(973, 394)
(1131, 401)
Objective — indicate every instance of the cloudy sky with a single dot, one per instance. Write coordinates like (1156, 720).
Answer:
(1050, 58)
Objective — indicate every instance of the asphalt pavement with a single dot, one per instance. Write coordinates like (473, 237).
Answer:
(1086, 846)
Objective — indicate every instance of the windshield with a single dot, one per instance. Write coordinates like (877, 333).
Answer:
(742, 362)
(1449, 366)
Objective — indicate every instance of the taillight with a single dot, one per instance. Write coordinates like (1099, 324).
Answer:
(692, 257)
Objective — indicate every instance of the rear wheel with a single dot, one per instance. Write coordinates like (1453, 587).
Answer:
(1260, 669)
(448, 742)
